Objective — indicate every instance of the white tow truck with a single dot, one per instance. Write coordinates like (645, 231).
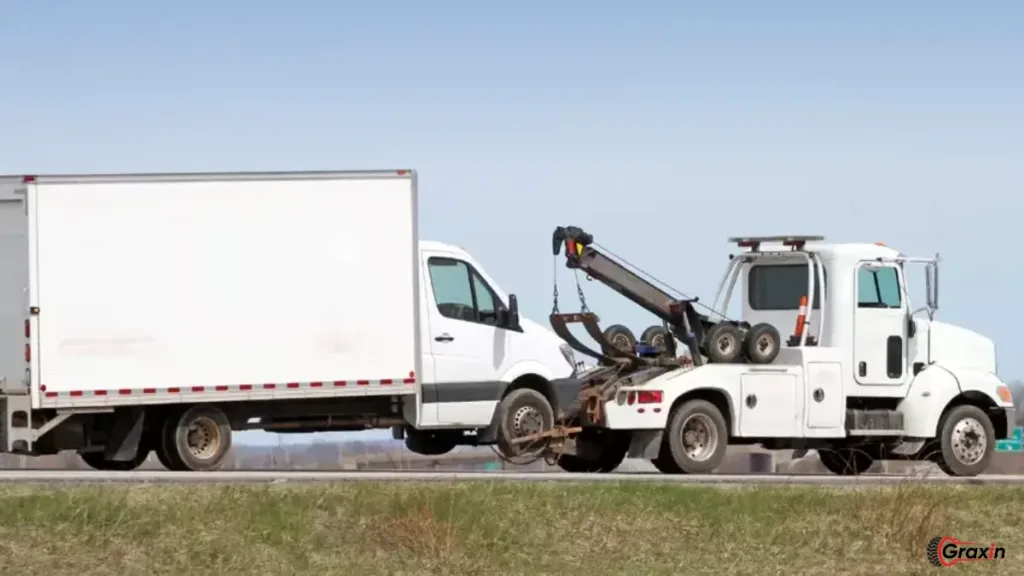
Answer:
(163, 311)
(864, 376)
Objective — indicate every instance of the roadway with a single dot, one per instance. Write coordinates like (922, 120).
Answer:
(278, 477)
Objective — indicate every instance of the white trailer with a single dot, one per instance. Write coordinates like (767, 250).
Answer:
(865, 376)
(161, 312)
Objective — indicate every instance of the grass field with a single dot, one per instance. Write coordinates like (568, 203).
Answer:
(482, 528)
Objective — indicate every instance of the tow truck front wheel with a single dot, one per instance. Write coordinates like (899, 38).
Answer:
(966, 441)
(697, 437)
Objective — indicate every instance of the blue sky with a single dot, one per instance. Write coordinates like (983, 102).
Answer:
(661, 127)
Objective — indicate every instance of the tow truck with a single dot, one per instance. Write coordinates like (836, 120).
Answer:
(863, 377)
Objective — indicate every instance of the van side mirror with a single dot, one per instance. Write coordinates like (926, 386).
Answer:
(511, 319)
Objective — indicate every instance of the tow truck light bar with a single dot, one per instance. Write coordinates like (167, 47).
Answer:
(796, 242)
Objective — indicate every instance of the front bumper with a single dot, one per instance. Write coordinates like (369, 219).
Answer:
(1011, 423)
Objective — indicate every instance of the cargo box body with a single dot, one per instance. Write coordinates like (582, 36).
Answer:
(157, 289)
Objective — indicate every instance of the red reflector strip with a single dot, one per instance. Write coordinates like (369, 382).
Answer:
(318, 385)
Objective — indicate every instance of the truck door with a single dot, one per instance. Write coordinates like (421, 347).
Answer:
(468, 350)
(880, 325)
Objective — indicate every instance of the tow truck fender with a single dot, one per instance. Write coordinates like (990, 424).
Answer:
(937, 387)
(625, 417)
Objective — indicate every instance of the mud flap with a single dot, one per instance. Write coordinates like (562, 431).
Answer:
(126, 436)
(645, 444)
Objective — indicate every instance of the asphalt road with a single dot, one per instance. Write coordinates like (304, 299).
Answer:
(269, 477)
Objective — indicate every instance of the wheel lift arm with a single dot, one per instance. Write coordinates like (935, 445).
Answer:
(684, 321)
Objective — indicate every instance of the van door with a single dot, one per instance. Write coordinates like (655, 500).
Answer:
(880, 325)
(469, 351)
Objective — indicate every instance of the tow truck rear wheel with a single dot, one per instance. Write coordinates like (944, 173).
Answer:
(607, 449)
(697, 437)
(966, 441)
(846, 461)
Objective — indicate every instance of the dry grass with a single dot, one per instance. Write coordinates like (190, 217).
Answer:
(488, 528)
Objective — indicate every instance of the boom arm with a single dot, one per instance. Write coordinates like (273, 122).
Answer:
(685, 322)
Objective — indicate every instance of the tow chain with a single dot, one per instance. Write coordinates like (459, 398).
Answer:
(554, 281)
(579, 292)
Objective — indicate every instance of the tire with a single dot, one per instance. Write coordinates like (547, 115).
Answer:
(762, 344)
(955, 432)
(574, 464)
(723, 344)
(166, 452)
(666, 465)
(521, 413)
(710, 446)
(620, 337)
(196, 439)
(846, 461)
(96, 461)
(655, 337)
(430, 443)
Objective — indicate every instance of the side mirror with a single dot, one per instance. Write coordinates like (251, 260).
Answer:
(511, 320)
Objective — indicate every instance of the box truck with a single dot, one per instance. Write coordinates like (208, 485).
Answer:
(158, 313)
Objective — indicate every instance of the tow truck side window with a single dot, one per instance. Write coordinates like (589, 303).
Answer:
(773, 287)
(878, 287)
(460, 293)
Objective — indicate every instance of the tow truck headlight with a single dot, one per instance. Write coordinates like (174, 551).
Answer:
(568, 355)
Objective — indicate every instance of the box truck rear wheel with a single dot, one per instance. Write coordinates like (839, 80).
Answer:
(197, 439)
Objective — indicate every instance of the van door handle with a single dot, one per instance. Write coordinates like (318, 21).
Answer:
(444, 338)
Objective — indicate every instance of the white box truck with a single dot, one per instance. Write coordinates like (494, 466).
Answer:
(157, 313)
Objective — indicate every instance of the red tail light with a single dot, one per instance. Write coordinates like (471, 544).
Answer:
(649, 397)
(28, 328)
(28, 353)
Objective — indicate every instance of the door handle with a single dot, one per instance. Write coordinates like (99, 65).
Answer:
(444, 338)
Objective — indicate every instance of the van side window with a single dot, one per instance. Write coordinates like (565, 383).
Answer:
(780, 286)
(878, 287)
(460, 293)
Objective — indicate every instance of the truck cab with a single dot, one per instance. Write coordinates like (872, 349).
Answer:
(475, 344)
(862, 376)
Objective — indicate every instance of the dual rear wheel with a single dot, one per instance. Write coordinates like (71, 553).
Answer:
(187, 438)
